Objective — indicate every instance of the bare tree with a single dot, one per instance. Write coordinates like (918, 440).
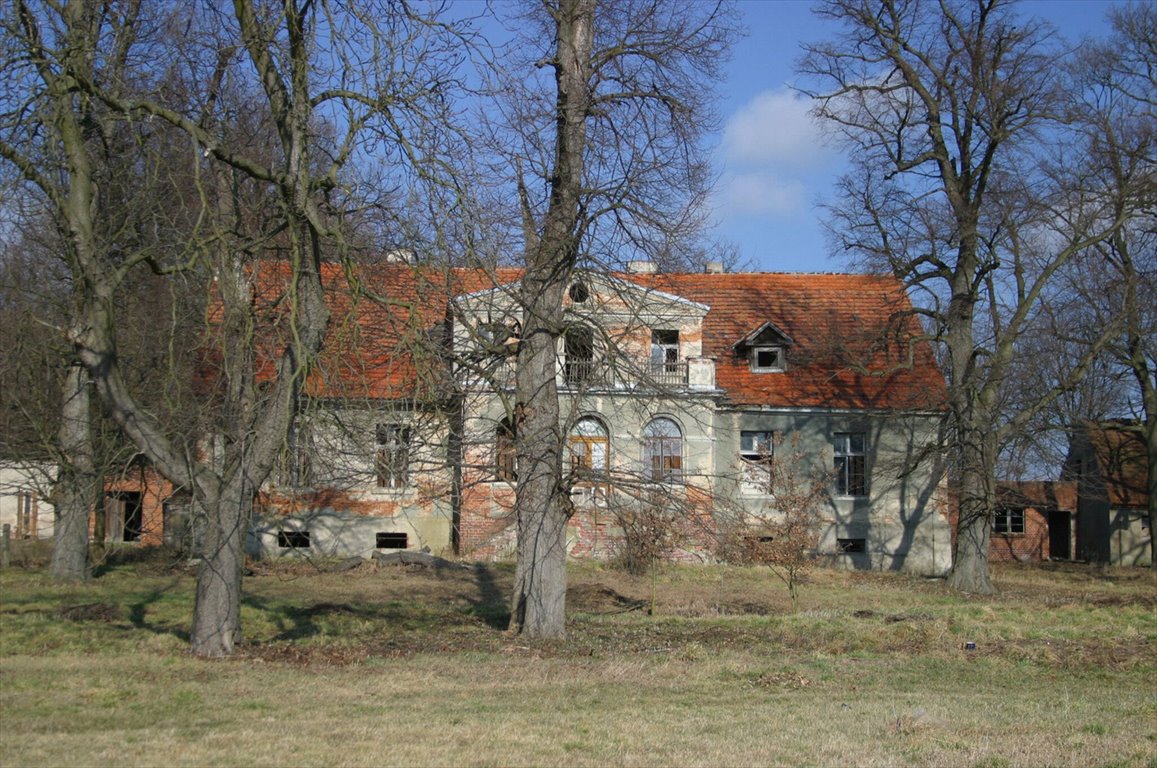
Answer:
(333, 85)
(616, 147)
(969, 186)
(1116, 280)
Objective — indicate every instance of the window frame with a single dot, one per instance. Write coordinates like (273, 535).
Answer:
(505, 453)
(662, 451)
(1005, 521)
(392, 448)
(582, 462)
(779, 366)
(850, 465)
(759, 458)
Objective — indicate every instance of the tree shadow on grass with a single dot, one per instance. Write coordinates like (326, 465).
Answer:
(491, 604)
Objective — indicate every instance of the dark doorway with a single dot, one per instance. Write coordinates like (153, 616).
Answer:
(124, 517)
(1060, 535)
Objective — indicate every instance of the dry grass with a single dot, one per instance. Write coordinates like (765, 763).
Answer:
(402, 666)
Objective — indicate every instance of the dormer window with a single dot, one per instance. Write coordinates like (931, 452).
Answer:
(765, 348)
(767, 360)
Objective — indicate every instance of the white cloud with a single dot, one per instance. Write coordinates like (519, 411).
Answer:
(762, 194)
(775, 129)
(774, 159)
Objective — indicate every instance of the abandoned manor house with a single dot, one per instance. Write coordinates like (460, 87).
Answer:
(694, 406)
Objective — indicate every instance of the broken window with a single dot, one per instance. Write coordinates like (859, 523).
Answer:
(851, 464)
(663, 451)
(392, 455)
(505, 453)
(666, 367)
(1007, 521)
(27, 515)
(579, 367)
(755, 450)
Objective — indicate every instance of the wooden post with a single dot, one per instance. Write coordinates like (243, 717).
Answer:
(6, 546)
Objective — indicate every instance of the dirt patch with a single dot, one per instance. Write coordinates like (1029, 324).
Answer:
(103, 612)
(596, 598)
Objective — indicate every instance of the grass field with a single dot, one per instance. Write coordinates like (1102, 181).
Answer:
(406, 666)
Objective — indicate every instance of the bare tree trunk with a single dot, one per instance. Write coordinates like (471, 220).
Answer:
(974, 528)
(217, 608)
(538, 607)
(77, 483)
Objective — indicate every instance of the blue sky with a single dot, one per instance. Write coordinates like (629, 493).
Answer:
(773, 166)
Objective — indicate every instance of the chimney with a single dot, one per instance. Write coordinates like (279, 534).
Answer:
(400, 256)
(641, 267)
(713, 267)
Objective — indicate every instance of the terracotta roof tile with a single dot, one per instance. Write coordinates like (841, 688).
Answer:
(853, 335)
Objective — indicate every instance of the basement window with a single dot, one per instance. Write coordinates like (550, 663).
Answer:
(384, 540)
(293, 539)
(851, 546)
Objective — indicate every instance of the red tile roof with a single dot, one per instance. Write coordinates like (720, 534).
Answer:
(853, 336)
(1122, 462)
(853, 339)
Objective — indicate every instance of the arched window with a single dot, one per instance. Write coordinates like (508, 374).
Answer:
(662, 451)
(588, 447)
(505, 452)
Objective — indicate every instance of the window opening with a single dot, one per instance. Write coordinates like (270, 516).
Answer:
(767, 359)
(27, 515)
(755, 449)
(579, 345)
(1008, 521)
(391, 540)
(588, 447)
(392, 455)
(850, 464)
(296, 466)
(578, 292)
(851, 546)
(293, 539)
(124, 516)
(505, 453)
(666, 368)
(663, 451)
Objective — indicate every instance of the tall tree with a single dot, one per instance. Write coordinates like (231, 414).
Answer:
(277, 101)
(1116, 280)
(956, 112)
(617, 148)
